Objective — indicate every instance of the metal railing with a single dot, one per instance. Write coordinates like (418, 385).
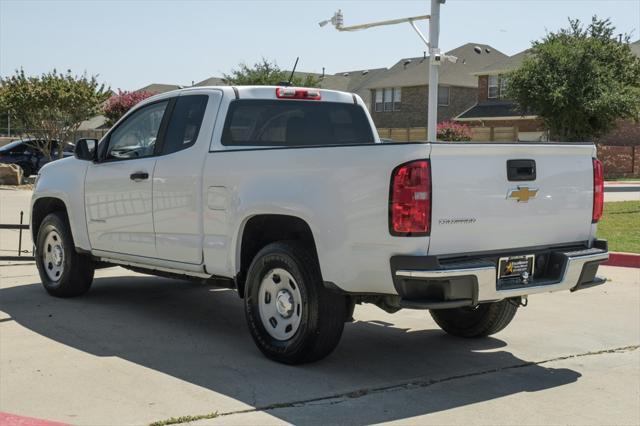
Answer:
(22, 255)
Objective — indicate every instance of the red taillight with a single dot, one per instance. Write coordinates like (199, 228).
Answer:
(294, 93)
(410, 201)
(598, 190)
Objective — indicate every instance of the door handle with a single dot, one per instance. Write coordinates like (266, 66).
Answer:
(139, 176)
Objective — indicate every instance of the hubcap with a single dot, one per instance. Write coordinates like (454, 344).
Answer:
(280, 304)
(53, 255)
(284, 303)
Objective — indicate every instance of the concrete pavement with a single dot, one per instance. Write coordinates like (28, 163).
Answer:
(622, 191)
(138, 349)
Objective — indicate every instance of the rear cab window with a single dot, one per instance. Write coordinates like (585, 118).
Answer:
(294, 123)
(185, 123)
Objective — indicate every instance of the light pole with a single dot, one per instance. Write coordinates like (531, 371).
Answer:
(435, 56)
(434, 69)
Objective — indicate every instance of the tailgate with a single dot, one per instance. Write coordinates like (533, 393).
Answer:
(475, 205)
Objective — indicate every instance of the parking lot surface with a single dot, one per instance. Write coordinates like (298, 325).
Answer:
(138, 349)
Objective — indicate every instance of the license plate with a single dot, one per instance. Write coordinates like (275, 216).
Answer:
(516, 267)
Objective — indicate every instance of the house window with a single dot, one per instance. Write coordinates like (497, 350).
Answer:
(388, 100)
(504, 81)
(494, 89)
(378, 106)
(443, 95)
(396, 99)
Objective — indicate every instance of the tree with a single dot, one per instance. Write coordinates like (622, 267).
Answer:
(579, 81)
(266, 73)
(119, 104)
(51, 106)
(453, 132)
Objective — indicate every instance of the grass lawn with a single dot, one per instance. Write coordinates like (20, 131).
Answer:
(620, 224)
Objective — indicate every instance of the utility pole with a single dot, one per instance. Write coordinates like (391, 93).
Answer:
(435, 57)
(434, 69)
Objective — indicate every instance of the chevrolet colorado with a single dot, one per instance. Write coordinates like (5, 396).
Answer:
(289, 196)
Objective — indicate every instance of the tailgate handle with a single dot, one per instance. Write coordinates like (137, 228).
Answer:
(521, 170)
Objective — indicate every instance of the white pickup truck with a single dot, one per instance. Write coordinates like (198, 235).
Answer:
(288, 196)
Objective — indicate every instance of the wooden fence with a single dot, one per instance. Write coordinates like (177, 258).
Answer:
(479, 134)
(494, 134)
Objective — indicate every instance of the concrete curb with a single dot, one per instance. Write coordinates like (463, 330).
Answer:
(627, 260)
(7, 419)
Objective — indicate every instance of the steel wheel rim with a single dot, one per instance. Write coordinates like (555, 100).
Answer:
(280, 304)
(53, 255)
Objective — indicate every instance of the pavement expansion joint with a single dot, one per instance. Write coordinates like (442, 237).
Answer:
(411, 384)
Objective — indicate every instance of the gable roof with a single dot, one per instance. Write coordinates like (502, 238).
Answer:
(157, 88)
(349, 81)
(493, 110)
(415, 71)
(513, 62)
(635, 48)
(212, 81)
(329, 81)
(359, 79)
(507, 64)
(97, 122)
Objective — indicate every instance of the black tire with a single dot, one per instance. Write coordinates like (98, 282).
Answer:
(479, 321)
(322, 311)
(75, 271)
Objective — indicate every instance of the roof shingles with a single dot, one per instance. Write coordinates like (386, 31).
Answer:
(415, 71)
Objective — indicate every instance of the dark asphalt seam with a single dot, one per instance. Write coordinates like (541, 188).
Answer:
(23, 263)
(417, 383)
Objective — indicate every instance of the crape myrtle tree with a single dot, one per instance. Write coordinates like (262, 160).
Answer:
(579, 81)
(119, 104)
(453, 132)
(267, 73)
(51, 106)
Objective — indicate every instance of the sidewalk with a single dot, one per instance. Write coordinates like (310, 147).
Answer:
(622, 186)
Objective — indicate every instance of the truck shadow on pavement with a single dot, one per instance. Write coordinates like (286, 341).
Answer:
(198, 334)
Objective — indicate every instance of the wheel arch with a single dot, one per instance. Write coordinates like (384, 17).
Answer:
(41, 208)
(263, 229)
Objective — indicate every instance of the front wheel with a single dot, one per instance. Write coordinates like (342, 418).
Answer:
(478, 321)
(292, 317)
(63, 272)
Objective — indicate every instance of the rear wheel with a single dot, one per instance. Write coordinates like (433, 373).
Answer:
(292, 317)
(478, 321)
(63, 272)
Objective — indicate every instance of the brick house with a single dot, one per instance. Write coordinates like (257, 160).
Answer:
(399, 95)
(493, 110)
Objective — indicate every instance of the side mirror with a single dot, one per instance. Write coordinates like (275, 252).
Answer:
(86, 149)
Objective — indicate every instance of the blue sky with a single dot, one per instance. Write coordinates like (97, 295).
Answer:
(133, 43)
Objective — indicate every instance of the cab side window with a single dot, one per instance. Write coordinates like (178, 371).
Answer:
(185, 122)
(136, 136)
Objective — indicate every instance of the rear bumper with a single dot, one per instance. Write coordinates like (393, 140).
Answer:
(427, 282)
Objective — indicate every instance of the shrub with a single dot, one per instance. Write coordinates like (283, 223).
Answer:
(450, 131)
(119, 104)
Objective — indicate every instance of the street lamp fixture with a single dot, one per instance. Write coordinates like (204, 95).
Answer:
(435, 56)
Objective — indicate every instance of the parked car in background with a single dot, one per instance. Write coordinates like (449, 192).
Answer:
(23, 153)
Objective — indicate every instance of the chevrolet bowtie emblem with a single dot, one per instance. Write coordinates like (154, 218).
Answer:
(523, 194)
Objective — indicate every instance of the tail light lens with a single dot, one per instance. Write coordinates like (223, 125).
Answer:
(598, 190)
(410, 199)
